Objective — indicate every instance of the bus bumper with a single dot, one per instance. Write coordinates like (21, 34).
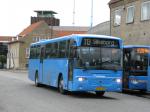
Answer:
(137, 82)
(108, 85)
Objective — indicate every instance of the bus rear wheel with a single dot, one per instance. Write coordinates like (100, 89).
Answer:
(37, 84)
(100, 93)
(61, 86)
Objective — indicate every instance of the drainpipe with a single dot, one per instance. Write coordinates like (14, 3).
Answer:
(110, 20)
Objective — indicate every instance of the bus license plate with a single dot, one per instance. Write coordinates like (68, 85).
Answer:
(100, 88)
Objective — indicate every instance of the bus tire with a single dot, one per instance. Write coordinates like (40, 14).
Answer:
(37, 84)
(61, 86)
(100, 93)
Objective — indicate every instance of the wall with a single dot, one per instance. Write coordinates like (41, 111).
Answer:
(101, 29)
(41, 32)
(13, 55)
(133, 33)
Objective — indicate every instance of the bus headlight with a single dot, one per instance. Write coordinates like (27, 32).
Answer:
(134, 81)
(118, 80)
(80, 79)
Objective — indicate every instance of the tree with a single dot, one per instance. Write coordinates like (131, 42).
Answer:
(2, 60)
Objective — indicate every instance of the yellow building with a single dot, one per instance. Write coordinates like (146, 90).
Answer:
(18, 48)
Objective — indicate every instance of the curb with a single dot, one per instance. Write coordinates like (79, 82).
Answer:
(15, 71)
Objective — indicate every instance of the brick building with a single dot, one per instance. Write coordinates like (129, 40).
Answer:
(47, 16)
(19, 48)
(46, 29)
(59, 31)
(130, 20)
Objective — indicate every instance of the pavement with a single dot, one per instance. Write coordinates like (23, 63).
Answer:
(19, 94)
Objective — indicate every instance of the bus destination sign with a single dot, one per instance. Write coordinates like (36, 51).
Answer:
(96, 42)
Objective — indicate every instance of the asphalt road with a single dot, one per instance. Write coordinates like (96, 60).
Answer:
(18, 94)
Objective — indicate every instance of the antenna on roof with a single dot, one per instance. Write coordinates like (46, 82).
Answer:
(91, 13)
(73, 23)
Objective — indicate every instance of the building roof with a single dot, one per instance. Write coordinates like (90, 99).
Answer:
(68, 30)
(30, 28)
(113, 1)
(5, 38)
(16, 41)
(136, 46)
(45, 11)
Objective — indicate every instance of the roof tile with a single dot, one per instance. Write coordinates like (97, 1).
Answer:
(5, 38)
(30, 28)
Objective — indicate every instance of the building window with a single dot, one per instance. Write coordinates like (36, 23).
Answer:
(36, 39)
(33, 39)
(145, 11)
(117, 18)
(130, 14)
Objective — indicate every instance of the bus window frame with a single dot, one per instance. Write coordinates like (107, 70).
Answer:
(42, 54)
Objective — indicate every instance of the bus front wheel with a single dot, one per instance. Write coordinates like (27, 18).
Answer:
(100, 93)
(61, 86)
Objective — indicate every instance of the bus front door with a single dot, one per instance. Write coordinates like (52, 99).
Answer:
(41, 65)
(70, 72)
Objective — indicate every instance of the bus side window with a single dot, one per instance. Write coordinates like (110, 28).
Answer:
(54, 50)
(73, 49)
(67, 48)
(32, 52)
(42, 54)
(48, 50)
(62, 49)
(37, 55)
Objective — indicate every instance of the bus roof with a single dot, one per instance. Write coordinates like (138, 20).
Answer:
(74, 36)
(136, 46)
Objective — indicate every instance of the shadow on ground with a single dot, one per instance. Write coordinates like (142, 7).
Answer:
(86, 95)
(90, 95)
(137, 93)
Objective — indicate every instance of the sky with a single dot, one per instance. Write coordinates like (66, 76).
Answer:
(15, 15)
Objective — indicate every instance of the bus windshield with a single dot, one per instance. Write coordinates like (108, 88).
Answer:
(139, 59)
(99, 58)
(136, 61)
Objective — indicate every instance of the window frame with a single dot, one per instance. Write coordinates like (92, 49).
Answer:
(62, 49)
(114, 20)
(148, 16)
(127, 14)
(35, 52)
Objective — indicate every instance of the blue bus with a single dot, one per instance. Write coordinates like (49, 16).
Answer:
(80, 62)
(136, 66)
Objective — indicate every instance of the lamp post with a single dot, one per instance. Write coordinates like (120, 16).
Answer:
(91, 13)
(73, 23)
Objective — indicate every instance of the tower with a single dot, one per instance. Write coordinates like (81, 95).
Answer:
(47, 16)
